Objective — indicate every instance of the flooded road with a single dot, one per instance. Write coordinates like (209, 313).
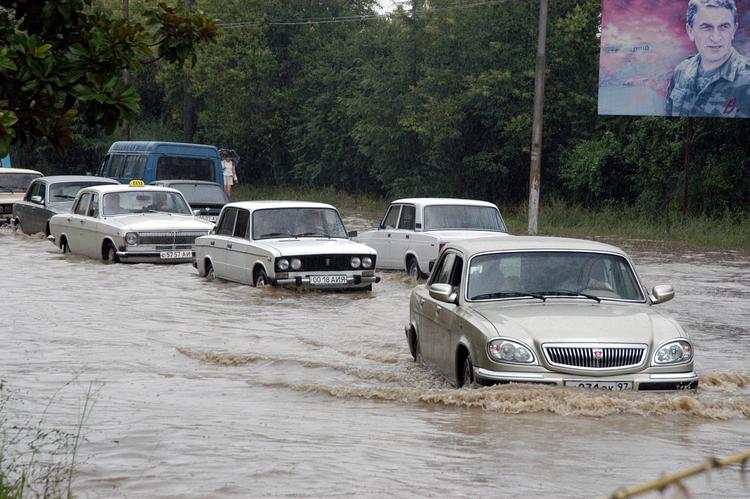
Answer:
(213, 389)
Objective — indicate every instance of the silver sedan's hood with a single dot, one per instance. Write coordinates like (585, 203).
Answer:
(157, 222)
(577, 321)
(317, 245)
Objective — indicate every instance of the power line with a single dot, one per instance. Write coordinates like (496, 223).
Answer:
(351, 18)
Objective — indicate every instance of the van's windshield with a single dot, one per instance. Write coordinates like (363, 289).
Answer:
(169, 167)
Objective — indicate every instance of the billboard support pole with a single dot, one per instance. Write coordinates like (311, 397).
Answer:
(125, 74)
(536, 128)
(688, 140)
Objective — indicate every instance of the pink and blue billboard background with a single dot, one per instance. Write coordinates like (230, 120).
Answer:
(641, 43)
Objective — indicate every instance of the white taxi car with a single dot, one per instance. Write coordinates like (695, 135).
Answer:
(289, 243)
(414, 230)
(129, 223)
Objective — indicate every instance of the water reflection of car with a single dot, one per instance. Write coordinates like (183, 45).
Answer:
(47, 196)
(205, 198)
(284, 243)
(414, 230)
(546, 310)
(13, 185)
(120, 223)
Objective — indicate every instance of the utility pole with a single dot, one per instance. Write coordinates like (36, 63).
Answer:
(536, 129)
(125, 74)
(188, 106)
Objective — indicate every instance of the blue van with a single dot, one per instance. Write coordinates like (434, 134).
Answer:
(150, 161)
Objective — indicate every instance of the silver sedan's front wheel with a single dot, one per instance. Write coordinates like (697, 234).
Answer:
(466, 377)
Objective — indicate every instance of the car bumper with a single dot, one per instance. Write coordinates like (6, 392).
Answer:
(640, 381)
(151, 257)
(355, 281)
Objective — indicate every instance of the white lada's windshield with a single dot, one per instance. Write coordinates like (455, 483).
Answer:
(447, 217)
(144, 201)
(545, 274)
(297, 222)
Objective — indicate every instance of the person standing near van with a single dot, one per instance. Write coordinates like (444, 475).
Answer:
(230, 172)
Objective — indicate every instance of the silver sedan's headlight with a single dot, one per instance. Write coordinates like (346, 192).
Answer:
(504, 350)
(673, 352)
(355, 262)
(296, 264)
(366, 262)
(131, 238)
(283, 264)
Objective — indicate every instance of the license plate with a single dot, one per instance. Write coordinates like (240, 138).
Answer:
(327, 280)
(171, 255)
(615, 386)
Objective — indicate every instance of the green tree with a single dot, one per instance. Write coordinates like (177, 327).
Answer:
(62, 60)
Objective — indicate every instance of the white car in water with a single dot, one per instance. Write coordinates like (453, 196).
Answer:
(129, 223)
(13, 185)
(546, 310)
(289, 243)
(414, 230)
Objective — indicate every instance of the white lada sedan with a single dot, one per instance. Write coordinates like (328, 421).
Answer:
(284, 243)
(414, 230)
(546, 310)
(129, 223)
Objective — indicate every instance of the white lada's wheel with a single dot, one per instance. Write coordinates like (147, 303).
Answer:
(260, 278)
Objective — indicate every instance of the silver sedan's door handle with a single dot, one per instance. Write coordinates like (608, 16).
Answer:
(68, 219)
(82, 222)
(229, 245)
(407, 236)
(389, 235)
(212, 243)
(438, 309)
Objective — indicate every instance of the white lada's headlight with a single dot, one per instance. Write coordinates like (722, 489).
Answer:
(283, 264)
(296, 264)
(505, 350)
(131, 238)
(366, 262)
(355, 262)
(673, 352)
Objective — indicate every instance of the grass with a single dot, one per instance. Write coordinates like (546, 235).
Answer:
(556, 218)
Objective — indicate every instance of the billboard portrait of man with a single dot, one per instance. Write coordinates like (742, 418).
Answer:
(675, 58)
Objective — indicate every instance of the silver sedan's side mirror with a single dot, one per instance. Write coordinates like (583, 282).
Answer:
(443, 292)
(37, 199)
(662, 293)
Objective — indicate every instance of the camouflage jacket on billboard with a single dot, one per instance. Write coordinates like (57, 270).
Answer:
(727, 93)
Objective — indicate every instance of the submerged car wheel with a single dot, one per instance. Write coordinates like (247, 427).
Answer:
(64, 246)
(111, 254)
(413, 345)
(210, 274)
(260, 278)
(466, 377)
(412, 268)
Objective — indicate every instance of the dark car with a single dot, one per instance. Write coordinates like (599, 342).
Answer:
(205, 198)
(47, 196)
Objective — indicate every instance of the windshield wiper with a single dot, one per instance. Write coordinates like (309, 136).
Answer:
(307, 234)
(63, 196)
(273, 234)
(503, 294)
(567, 292)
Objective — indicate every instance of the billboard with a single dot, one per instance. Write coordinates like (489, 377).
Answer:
(675, 58)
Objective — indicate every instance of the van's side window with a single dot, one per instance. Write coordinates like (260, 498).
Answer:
(130, 163)
(104, 167)
(140, 166)
(116, 165)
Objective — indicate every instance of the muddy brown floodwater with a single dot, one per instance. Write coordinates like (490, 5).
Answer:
(213, 389)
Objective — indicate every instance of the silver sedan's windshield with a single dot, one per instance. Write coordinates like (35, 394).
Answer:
(443, 217)
(297, 222)
(144, 201)
(547, 274)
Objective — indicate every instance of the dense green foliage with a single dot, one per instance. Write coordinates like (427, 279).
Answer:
(435, 100)
(61, 63)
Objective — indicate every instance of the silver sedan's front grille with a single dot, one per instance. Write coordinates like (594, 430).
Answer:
(170, 238)
(595, 356)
